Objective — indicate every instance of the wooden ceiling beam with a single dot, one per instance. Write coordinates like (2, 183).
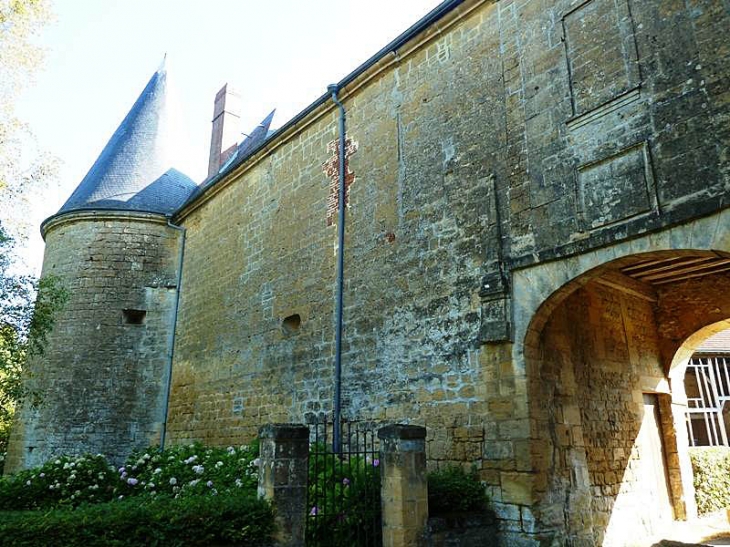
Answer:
(623, 283)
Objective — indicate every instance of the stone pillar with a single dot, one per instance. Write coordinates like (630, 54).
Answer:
(404, 490)
(283, 470)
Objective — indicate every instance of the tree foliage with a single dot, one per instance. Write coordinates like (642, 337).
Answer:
(20, 22)
(24, 169)
(27, 314)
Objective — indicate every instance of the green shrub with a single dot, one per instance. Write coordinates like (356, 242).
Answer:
(453, 490)
(238, 518)
(178, 471)
(346, 494)
(711, 468)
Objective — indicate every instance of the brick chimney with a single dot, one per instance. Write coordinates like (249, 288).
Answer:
(226, 127)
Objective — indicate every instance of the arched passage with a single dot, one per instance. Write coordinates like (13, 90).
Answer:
(606, 397)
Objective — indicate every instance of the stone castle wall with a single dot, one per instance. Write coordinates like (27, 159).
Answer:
(102, 378)
(514, 133)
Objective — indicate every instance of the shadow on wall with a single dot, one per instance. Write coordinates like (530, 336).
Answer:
(610, 449)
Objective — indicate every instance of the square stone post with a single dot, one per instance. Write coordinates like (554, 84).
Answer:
(283, 474)
(404, 490)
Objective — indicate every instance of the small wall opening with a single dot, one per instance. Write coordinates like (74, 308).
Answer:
(134, 317)
(291, 324)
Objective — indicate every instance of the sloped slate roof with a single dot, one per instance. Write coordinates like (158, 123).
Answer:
(718, 343)
(134, 170)
(260, 133)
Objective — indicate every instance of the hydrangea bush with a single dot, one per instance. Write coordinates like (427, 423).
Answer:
(190, 470)
(63, 481)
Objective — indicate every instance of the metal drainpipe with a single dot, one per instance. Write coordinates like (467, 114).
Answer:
(336, 433)
(171, 337)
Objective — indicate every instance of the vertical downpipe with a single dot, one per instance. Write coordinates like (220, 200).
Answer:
(171, 338)
(336, 436)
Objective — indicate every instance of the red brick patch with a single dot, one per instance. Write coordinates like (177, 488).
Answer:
(331, 169)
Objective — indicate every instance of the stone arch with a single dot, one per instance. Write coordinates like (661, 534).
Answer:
(691, 343)
(593, 387)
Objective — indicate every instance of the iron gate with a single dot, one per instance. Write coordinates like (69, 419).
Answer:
(344, 488)
(707, 382)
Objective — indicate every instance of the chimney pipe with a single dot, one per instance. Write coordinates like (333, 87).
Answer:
(226, 122)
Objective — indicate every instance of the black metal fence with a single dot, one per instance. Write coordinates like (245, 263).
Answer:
(344, 487)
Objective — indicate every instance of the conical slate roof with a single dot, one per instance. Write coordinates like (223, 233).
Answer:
(134, 171)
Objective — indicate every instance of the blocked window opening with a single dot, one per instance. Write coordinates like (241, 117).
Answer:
(134, 317)
(291, 324)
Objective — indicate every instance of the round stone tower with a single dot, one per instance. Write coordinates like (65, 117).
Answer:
(102, 382)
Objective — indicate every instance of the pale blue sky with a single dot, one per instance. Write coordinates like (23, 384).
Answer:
(280, 54)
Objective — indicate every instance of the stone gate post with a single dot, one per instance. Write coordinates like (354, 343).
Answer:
(283, 473)
(404, 490)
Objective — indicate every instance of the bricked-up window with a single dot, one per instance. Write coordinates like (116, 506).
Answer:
(134, 317)
(291, 324)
